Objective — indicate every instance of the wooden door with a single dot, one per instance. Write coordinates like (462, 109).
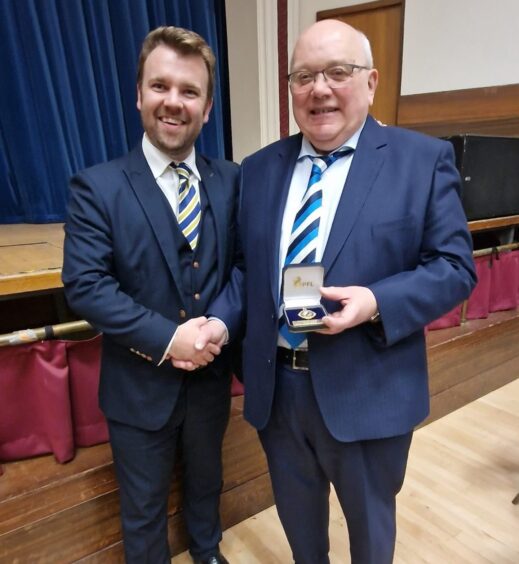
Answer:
(382, 22)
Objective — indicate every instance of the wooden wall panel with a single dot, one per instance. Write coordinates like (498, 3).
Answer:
(489, 111)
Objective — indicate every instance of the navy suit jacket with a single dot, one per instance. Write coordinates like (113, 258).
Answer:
(121, 272)
(401, 231)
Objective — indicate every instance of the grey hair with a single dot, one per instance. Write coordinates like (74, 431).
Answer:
(366, 46)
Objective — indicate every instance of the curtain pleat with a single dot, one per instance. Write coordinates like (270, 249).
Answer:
(35, 414)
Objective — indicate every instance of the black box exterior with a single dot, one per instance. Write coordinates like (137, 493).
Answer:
(489, 169)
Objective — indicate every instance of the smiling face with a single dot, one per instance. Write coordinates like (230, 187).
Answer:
(172, 99)
(328, 117)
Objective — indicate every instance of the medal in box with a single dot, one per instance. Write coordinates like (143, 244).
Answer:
(301, 297)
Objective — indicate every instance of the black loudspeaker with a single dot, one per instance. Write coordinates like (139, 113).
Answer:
(489, 169)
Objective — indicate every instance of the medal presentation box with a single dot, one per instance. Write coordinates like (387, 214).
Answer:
(302, 306)
(489, 169)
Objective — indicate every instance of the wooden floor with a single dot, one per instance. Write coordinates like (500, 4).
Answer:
(456, 505)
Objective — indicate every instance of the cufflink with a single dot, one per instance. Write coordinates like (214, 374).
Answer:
(375, 318)
(142, 355)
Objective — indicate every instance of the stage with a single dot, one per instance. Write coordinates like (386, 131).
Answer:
(31, 256)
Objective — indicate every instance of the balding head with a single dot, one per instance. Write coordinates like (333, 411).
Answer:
(334, 30)
(328, 113)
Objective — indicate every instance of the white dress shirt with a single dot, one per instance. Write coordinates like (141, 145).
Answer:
(165, 176)
(332, 184)
(168, 181)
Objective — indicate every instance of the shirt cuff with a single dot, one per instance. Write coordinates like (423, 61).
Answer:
(166, 356)
(223, 325)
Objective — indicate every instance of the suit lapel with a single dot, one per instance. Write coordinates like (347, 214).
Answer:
(213, 191)
(156, 210)
(277, 182)
(365, 167)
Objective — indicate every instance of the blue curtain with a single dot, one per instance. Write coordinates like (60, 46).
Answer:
(68, 94)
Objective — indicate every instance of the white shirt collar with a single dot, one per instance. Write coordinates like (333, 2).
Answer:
(159, 161)
(307, 149)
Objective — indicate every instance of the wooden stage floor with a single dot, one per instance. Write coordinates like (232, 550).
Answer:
(31, 257)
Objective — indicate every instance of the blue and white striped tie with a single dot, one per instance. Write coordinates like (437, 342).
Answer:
(302, 245)
(189, 209)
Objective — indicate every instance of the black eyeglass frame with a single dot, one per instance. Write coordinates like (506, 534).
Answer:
(324, 72)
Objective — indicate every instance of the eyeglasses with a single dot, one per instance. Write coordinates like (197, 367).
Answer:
(336, 77)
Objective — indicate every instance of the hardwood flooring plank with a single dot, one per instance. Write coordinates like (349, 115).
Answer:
(456, 503)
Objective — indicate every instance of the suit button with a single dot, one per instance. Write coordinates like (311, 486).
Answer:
(182, 313)
(196, 296)
(196, 264)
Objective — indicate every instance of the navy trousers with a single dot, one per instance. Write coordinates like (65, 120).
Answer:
(304, 459)
(144, 462)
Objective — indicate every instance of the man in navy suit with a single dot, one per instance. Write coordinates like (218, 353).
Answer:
(148, 246)
(340, 407)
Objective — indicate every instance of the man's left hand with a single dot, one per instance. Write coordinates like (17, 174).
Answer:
(358, 306)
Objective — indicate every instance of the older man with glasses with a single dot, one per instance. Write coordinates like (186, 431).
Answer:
(373, 215)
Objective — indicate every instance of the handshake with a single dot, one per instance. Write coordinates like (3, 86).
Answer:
(197, 342)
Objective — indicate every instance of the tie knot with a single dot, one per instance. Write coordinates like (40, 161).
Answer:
(181, 169)
(327, 160)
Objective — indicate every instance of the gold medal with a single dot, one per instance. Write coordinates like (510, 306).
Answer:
(306, 314)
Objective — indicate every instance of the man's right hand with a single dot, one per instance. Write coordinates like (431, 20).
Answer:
(188, 351)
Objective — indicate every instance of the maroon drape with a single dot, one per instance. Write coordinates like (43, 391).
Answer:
(48, 399)
(450, 319)
(504, 281)
(84, 360)
(497, 289)
(237, 387)
(478, 304)
(35, 413)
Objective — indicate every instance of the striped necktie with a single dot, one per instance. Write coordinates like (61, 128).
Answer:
(189, 209)
(303, 238)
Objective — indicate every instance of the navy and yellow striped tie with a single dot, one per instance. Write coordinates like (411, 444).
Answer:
(302, 245)
(189, 208)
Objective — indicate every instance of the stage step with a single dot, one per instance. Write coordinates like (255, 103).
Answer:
(470, 361)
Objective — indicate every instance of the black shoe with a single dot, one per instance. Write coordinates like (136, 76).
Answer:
(217, 558)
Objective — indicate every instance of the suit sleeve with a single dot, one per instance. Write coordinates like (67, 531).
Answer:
(90, 278)
(444, 275)
(230, 304)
